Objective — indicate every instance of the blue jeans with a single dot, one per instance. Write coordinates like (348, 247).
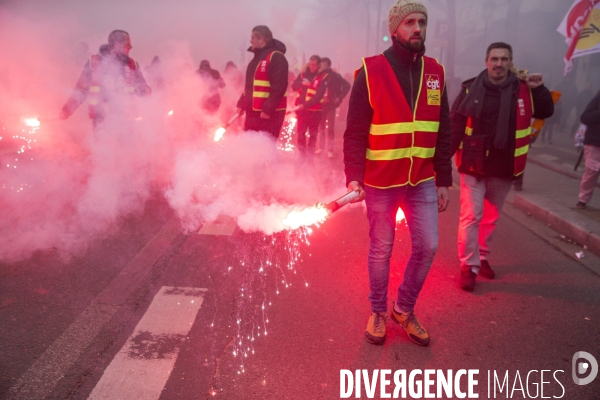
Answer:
(419, 204)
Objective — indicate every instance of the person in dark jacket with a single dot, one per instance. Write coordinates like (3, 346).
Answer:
(591, 151)
(264, 98)
(491, 127)
(337, 89)
(397, 154)
(108, 80)
(311, 85)
(583, 99)
(211, 100)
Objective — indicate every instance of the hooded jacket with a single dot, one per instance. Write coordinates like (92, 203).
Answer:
(278, 77)
(338, 88)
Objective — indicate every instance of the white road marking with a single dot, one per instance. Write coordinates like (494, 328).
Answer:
(142, 367)
(45, 373)
(223, 226)
(39, 381)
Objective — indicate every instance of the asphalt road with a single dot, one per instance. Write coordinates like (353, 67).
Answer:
(60, 335)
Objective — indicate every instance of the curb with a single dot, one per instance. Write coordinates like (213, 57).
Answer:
(562, 219)
(557, 169)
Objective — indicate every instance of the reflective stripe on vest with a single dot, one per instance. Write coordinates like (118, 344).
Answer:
(261, 86)
(312, 90)
(522, 134)
(96, 109)
(402, 142)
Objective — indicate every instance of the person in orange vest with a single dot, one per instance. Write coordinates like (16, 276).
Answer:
(108, 80)
(397, 155)
(265, 98)
(491, 128)
(311, 85)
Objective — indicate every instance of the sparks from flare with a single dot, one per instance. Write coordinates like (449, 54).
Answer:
(31, 127)
(287, 133)
(32, 122)
(219, 133)
(265, 266)
(400, 216)
(315, 215)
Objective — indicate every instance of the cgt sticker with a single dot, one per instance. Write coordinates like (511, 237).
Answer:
(434, 95)
(432, 82)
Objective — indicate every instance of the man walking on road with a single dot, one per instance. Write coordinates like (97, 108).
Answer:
(311, 85)
(264, 99)
(108, 80)
(491, 120)
(337, 89)
(397, 147)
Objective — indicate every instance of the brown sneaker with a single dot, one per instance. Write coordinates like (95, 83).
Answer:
(411, 325)
(486, 271)
(376, 328)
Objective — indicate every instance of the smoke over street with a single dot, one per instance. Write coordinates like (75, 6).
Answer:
(75, 182)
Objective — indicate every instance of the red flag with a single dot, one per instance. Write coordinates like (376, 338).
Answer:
(572, 25)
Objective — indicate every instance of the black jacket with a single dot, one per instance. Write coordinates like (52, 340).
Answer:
(338, 88)
(297, 86)
(591, 118)
(278, 77)
(407, 67)
(497, 163)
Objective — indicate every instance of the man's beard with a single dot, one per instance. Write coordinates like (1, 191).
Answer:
(415, 47)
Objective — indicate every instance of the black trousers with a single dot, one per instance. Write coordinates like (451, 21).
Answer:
(308, 122)
(272, 125)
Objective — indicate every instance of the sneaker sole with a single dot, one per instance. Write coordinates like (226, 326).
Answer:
(467, 288)
(373, 339)
(411, 337)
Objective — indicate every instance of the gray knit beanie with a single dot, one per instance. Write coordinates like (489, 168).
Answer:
(400, 10)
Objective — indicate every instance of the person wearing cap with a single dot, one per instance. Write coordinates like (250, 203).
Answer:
(397, 155)
(491, 128)
(265, 98)
(108, 80)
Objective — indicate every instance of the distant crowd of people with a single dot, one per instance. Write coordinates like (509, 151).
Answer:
(268, 87)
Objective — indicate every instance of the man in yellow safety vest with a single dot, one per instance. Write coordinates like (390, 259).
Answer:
(108, 81)
(264, 99)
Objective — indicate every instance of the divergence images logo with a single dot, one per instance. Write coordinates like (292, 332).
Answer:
(581, 367)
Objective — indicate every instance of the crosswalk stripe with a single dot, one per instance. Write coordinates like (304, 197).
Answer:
(142, 367)
(222, 226)
(43, 376)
